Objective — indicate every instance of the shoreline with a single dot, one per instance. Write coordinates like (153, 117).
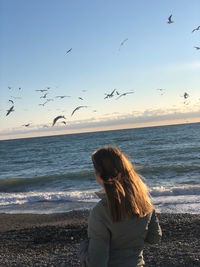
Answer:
(53, 239)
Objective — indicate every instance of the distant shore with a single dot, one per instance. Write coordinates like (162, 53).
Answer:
(53, 240)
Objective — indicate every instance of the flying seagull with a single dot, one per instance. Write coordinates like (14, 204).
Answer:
(170, 20)
(78, 109)
(44, 96)
(49, 99)
(196, 29)
(10, 110)
(68, 51)
(42, 104)
(11, 101)
(123, 42)
(127, 93)
(197, 47)
(186, 95)
(80, 98)
(44, 90)
(26, 125)
(110, 95)
(57, 118)
(62, 96)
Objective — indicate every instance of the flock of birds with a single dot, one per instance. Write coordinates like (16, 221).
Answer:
(195, 29)
(107, 95)
(46, 92)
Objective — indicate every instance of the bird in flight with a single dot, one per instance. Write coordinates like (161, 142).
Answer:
(9, 87)
(42, 104)
(78, 109)
(124, 94)
(123, 42)
(64, 122)
(26, 125)
(49, 99)
(80, 98)
(197, 47)
(196, 29)
(44, 90)
(117, 93)
(44, 96)
(186, 95)
(68, 51)
(11, 101)
(10, 110)
(110, 95)
(170, 20)
(62, 96)
(57, 118)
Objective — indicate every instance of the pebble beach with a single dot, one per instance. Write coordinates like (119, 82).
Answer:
(53, 239)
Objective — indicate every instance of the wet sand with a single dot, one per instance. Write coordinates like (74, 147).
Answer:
(53, 240)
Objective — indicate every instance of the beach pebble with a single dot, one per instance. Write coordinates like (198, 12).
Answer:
(57, 244)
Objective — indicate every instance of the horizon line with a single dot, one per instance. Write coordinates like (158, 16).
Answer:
(102, 130)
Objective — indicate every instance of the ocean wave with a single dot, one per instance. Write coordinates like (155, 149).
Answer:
(31, 197)
(21, 184)
(175, 190)
(182, 193)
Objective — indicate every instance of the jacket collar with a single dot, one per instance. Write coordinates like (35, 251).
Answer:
(101, 194)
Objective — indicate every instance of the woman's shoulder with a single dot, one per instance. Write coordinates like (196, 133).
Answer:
(100, 208)
(100, 212)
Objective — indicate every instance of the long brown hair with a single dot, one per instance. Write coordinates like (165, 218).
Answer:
(126, 193)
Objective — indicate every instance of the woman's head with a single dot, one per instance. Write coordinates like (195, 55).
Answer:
(110, 163)
(126, 193)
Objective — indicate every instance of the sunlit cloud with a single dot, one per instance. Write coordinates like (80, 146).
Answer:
(108, 120)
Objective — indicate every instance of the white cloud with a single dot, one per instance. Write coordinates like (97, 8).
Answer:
(115, 119)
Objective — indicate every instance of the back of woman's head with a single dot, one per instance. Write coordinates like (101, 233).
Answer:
(127, 195)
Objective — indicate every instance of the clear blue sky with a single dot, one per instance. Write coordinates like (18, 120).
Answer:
(35, 36)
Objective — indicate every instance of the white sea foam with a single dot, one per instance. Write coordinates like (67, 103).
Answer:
(182, 199)
(175, 190)
(177, 199)
(21, 198)
(177, 204)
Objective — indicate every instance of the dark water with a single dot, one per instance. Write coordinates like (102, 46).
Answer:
(59, 168)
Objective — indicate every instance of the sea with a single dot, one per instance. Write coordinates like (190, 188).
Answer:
(55, 174)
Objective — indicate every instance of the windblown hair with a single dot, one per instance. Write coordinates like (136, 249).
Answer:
(127, 195)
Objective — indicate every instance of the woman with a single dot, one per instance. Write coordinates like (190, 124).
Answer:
(124, 219)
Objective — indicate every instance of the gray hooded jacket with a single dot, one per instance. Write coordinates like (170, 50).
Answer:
(117, 244)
